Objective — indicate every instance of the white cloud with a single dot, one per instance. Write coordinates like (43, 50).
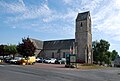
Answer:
(37, 12)
(48, 19)
(23, 12)
(117, 3)
(71, 14)
(107, 20)
(62, 30)
(22, 2)
(13, 7)
(42, 11)
(67, 1)
(90, 4)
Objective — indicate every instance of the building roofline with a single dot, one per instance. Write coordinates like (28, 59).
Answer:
(59, 40)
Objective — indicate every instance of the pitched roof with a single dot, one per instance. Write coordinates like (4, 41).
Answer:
(58, 44)
(37, 43)
(82, 16)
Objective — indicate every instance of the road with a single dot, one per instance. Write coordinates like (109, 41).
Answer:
(37, 73)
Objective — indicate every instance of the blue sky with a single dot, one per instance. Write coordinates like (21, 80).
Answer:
(55, 19)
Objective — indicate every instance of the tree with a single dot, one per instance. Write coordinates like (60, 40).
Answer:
(8, 50)
(26, 48)
(11, 49)
(95, 51)
(99, 50)
(107, 58)
(114, 55)
(2, 50)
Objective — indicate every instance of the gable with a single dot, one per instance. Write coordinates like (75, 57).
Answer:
(38, 44)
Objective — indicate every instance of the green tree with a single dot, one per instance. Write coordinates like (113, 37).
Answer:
(26, 48)
(11, 50)
(2, 50)
(95, 51)
(100, 48)
(114, 55)
(107, 58)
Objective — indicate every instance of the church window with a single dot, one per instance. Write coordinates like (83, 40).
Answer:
(81, 25)
(52, 54)
(63, 54)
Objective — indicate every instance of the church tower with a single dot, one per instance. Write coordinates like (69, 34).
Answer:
(83, 37)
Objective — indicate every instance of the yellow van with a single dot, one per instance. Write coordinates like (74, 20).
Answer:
(29, 60)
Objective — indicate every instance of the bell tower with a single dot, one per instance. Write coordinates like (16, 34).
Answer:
(83, 37)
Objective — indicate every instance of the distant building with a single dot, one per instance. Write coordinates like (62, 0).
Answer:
(81, 45)
(117, 62)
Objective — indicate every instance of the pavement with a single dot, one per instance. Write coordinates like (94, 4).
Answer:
(49, 66)
(55, 72)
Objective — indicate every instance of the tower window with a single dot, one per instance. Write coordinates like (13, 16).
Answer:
(81, 25)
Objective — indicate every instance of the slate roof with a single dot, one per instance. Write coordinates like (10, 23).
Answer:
(37, 43)
(58, 44)
(82, 16)
(53, 44)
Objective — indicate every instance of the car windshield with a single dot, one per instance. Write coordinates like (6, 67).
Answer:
(17, 58)
(48, 59)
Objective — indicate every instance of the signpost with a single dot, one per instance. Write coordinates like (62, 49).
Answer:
(70, 60)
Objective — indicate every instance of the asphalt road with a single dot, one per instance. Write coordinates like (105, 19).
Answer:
(36, 73)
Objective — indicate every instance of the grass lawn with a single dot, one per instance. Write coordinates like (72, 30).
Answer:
(90, 66)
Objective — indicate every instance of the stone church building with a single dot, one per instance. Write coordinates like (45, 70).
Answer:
(81, 45)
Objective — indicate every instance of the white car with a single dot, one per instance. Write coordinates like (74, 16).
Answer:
(37, 59)
(15, 60)
(50, 60)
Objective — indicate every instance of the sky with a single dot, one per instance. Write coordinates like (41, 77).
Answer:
(55, 19)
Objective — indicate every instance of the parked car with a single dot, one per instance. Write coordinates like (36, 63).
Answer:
(29, 60)
(40, 60)
(60, 61)
(50, 60)
(7, 59)
(15, 60)
(37, 59)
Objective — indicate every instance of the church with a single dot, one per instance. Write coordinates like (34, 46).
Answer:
(81, 45)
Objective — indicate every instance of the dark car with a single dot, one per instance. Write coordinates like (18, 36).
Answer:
(40, 60)
(7, 59)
